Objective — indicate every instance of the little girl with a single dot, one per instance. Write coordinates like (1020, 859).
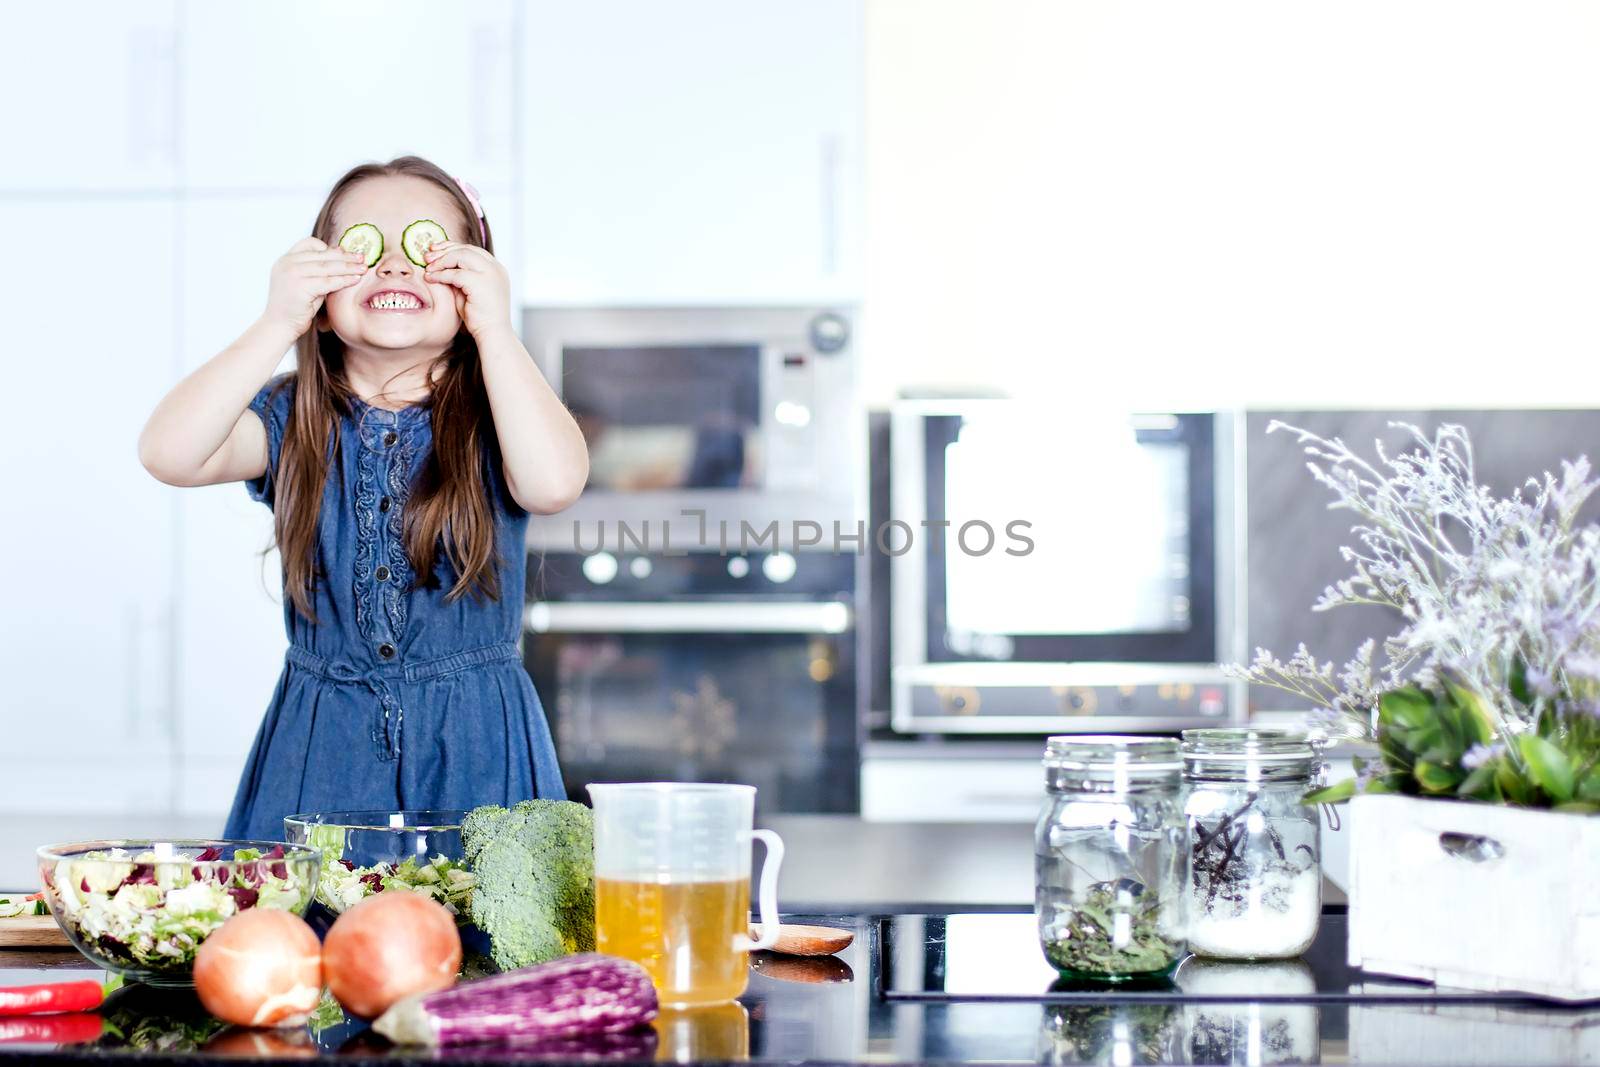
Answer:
(401, 459)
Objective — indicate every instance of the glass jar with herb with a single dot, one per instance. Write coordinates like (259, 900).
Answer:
(1108, 857)
(1253, 882)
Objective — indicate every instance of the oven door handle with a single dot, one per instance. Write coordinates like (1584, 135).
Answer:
(816, 617)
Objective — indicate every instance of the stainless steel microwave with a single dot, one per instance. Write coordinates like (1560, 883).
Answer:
(705, 418)
(1073, 570)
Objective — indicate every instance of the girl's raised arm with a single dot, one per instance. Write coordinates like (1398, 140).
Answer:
(202, 432)
(543, 451)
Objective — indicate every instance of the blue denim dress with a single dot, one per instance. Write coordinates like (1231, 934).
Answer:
(394, 698)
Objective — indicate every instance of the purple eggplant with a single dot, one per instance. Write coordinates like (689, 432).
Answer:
(570, 997)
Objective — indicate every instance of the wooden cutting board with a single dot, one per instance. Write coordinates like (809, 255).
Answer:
(32, 931)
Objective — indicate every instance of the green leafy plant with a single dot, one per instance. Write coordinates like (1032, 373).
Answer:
(1444, 744)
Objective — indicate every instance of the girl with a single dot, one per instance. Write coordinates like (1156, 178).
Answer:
(401, 460)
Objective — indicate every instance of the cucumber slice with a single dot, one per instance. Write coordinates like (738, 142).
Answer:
(365, 239)
(419, 237)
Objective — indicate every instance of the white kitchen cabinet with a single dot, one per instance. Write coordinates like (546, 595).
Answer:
(701, 151)
(87, 643)
(91, 104)
(289, 95)
(908, 787)
(231, 619)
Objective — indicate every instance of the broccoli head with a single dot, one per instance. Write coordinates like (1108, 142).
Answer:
(534, 863)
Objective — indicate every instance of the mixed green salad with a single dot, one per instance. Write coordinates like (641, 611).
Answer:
(343, 884)
(150, 911)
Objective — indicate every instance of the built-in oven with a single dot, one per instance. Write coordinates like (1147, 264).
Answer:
(701, 667)
(693, 616)
(1072, 571)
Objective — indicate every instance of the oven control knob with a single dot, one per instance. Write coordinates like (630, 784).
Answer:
(779, 567)
(1080, 700)
(600, 568)
(639, 567)
(830, 332)
(959, 699)
(738, 567)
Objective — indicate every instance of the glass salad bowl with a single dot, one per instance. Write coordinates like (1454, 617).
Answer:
(367, 852)
(141, 908)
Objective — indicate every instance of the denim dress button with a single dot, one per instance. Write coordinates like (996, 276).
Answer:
(382, 574)
(386, 650)
(390, 438)
(383, 505)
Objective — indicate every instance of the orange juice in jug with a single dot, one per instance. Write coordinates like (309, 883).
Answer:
(682, 932)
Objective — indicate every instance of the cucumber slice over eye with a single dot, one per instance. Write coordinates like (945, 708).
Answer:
(419, 237)
(364, 239)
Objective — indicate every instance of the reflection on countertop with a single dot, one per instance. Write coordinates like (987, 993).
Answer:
(969, 987)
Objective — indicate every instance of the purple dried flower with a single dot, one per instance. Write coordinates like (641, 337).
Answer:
(1480, 583)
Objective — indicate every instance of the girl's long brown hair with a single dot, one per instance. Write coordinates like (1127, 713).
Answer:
(449, 509)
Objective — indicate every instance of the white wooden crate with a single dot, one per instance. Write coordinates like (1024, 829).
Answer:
(1464, 1035)
(1523, 918)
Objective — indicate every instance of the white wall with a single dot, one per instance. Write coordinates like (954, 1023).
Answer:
(1372, 202)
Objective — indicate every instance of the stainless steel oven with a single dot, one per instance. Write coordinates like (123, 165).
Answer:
(701, 667)
(691, 617)
(1073, 571)
(705, 417)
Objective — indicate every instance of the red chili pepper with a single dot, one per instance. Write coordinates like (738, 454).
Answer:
(57, 996)
(51, 1029)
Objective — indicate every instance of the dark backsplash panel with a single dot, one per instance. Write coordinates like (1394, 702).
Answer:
(1293, 539)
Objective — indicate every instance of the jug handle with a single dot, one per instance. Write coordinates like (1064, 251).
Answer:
(768, 897)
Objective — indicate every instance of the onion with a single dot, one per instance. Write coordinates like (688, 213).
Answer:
(263, 1044)
(263, 967)
(391, 945)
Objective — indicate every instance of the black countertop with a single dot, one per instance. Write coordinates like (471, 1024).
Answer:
(966, 987)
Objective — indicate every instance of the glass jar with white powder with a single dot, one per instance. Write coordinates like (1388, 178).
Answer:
(1253, 871)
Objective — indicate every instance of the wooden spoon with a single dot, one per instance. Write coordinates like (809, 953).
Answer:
(794, 940)
(809, 969)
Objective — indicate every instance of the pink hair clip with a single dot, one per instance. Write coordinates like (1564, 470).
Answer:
(472, 198)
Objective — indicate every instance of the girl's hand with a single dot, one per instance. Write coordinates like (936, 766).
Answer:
(482, 286)
(304, 277)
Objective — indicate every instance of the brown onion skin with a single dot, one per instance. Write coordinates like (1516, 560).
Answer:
(258, 954)
(388, 946)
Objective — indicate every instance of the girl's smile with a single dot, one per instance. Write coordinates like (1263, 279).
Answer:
(391, 299)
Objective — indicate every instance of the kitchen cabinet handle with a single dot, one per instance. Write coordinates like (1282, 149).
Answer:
(149, 666)
(134, 667)
(829, 158)
(152, 95)
(827, 617)
(490, 90)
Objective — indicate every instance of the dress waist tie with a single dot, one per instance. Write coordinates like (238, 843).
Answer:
(386, 731)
